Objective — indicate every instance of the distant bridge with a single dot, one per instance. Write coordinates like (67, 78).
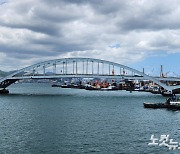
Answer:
(82, 68)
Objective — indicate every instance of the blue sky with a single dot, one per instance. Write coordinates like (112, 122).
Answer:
(152, 64)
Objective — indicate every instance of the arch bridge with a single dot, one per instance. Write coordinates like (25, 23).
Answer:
(81, 68)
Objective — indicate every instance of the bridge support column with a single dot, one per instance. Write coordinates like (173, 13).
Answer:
(76, 67)
(102, 68)
(44, 70)
(54, 68)
(113, 72)
(109, 69)
(92, 68)
(4, 91)
(66, 66)
(63, 67)
(73, 66)
(83, 66)
(34, 71)
(98, 69)
(87, 67)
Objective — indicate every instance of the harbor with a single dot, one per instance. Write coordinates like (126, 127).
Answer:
(127, 85)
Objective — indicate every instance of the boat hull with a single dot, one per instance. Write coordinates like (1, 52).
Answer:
(161, 105)
(66, 86)
(155, 105)
(55, 85)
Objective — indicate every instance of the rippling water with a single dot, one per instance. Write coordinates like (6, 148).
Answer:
(36, 118)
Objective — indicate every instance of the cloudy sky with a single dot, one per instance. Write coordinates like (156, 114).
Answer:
(137, 33)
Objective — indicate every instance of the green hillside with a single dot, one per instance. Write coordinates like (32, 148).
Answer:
(2, 73)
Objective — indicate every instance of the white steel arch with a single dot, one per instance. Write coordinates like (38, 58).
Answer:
(6, 81)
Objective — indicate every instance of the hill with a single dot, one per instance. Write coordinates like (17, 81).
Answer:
(2, 73)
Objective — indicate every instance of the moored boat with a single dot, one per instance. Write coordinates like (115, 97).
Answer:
(110, 88)
(155, 105)
(56, 85)
(66, 86)
(78, 86)
(174, 104)
(166, 94)
(171, 103)
(89, 87)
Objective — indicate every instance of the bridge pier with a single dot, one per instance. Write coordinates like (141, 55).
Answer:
(4, 91)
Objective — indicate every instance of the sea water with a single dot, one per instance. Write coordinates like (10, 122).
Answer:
(37, 118)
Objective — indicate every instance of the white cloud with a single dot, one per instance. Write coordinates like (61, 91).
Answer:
(36, 30)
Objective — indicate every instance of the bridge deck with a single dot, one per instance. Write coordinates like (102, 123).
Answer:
(41, 76)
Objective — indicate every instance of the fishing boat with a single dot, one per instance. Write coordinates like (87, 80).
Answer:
(174, 104)
(155, 105)
(166, 93)
(171, 103)
(76, 86)
(110, 88)
(90, 87)
(66, 86)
